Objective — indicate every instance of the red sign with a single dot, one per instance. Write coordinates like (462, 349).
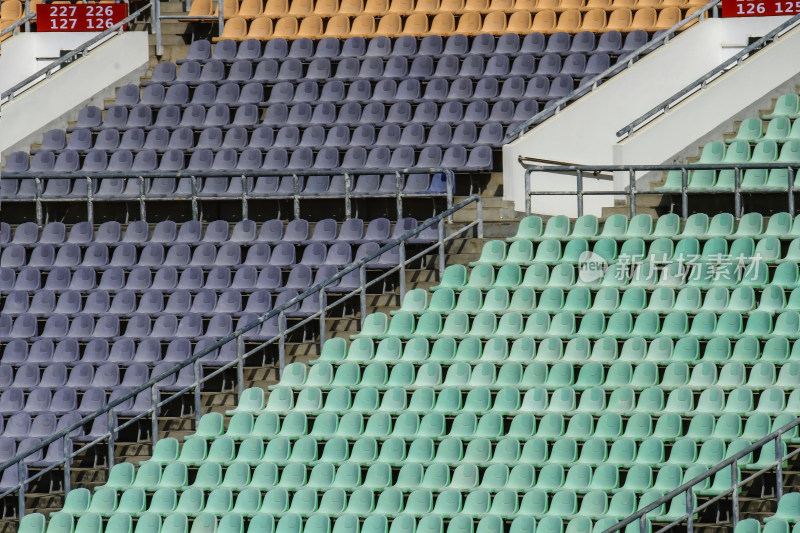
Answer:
(79, 17)
(759, 8)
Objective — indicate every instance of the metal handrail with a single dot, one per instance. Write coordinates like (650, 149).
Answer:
(623, 63)
(700, 83)
(195, 198)
(732, 461)
(80, 51)
(581, 171)
(237, 336)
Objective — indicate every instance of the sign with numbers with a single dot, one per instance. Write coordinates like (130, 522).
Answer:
(759, 8)
(79, 17)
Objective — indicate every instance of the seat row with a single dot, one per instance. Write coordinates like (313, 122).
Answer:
(192, 232)
(592, 325)
(698, 225)
(205, 255)
(538, 44)
(766, 151)
(498, 300)
(606, 350)
(62, 400)
(635, 250)
(166, 327)
(291, 523)
(123, 352)
(213, 74)
(545, 21)
(166, 279)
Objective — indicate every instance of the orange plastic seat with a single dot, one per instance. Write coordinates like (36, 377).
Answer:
(376, 7)
(620, 20)
(571, 4)
(3, 25)
(427, 6)
(501, 5)
(644, 19)
(667, 18)
(251, 9)
(469, 24)
(275, 8)
(390, 25)
(235, 29)
(310, 27)
(363, 26)
(301, 8)
(676, 3)
(569, 21)
(594, 4)
(11, 10)
(261, 29)
(541, 5)
(594, 20)
(416, 25)
(200, 8)
(230, 7)
(285, 28)
(519, 22)
(476, 6)
(648, 3)
(615, 4)
(495, 23)
(351, 8)
(452, 6)
(401, 7)
(443, 24)
(338, 26)
(544, 22)
(326, 8)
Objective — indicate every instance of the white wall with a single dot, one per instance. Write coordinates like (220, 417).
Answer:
(87, 81)
(27, 53)
(585, 131)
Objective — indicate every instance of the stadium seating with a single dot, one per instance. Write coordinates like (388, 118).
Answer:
(88, 315)
(507, 398)
(773, 138)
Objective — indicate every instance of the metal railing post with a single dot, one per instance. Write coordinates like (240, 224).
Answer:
(441, 249)
(240, 366)
(579, 191)
(690, 511)
(198, 406)
(155, 11)
(296, 183)
(89, 200)
(778, 469)
(221, 6)
(643, 524)
(195, 207)
(154, 420)
(245, 210)
(684, 193)
(528, 192)
(362, 282)
(323, 303)
(737, 193)
(21, 478)
(398, 188)
(38, 200)
(402, 261)
(450, 183)
(111, 438)
(790, 189)
(282, 343)
(735, 493)
(348, 185)
(27, 12)
(479, 207)
(632, 195)
(67, 460)
(142, 208)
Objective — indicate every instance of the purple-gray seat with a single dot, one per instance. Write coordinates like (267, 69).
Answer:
(262, 137)
(339, 254)
(244, 231)
(43, 302)
(269, 277)
(313, 136)
(64, 401)
(258, 254)
(558, 42)
(6, 375)
(609, 42)
(219, 277)
(106, 376)
(228, 255)
(93, 397)
(314, 254)
(288, 137)
(244, 278)
(191, 232)
(54, 376)
(283, 255)
(525, 64)
(276, 48)
(285, 297)
(271, 231)
(379, 46)
(597, 64)
(396, 67)
(191, 278)
(236, 138)
(95, 351)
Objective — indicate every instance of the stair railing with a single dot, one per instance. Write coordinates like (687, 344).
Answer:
(773, 439)
(624, 62)
(702, 82)
(582, 172)
(80, 51)
(196, 197)
(239, 338)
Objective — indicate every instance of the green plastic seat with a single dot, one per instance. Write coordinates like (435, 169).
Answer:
(232, 523)
(585, 227)
(240, 426)
(32, 523)
(89, 523)
(750, 130)
(668, 425)
(264, 476)
(738, 152)
(454, 277)
(639, 478)
(530, 228)
(442, 301)
(575, 249)
(415, 301)
(493, 253)
(520, 252)
(332, 350)
(121, 476)
(548, 252)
